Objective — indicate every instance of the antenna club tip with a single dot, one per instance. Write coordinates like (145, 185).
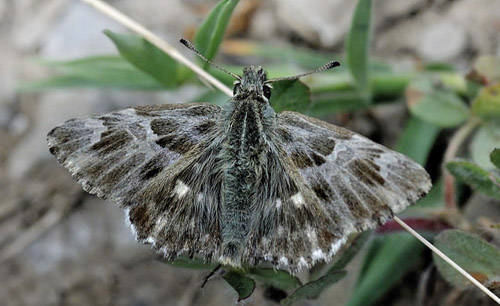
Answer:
(186, 43)
(333, 64)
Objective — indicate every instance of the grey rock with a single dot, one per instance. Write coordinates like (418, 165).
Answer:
(323, 23)
(442, 41)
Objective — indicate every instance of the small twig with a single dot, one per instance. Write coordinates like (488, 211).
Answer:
(157, 41)
(447, 259)
(49, 220)
(206, 278)
(451, 151)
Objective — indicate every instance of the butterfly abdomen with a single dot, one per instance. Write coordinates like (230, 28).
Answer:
(243, 152)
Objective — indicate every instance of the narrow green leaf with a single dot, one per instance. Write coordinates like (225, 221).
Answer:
(211, 32)
(313, 289)
(95, 71)
(476, 177)
(195, 263)
(472, 253)
(276, 278)
(290, 95)
(435, 105)
(417, 139)
(146, 57)
(242, 284)
(395, 256)
(353, 250)
(483, 142)
(495, 157)
(487, 102)
(358, 45)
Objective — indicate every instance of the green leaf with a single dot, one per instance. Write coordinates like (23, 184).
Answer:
(349, 254)
(358, 44)
(394, 257)
(195, 263)
(417, 139)
(435, 105)
(472, 253)
(242, 284)
(95, 71)
(146, 57)
(476, 177)
(487, 102)
(290, 95)
(276, 278)
(211, 32)
(313, 289)
(495, 157)
(486, 70)
(484, 141)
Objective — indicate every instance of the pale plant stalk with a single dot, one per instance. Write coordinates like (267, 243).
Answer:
(451, 151)
(167, 48)
(154, 39)
(447, 259)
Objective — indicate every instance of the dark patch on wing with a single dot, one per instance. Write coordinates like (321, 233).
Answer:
(201, 110)
(96, 169)
(175, 143)
(323, 145)
(301, 160)
(142, 217)
(322, 189)
(318, 159)
(205, 126)
(112, 142)
(118, 173)
(163, 127)
(355, 206)
(152, 168)
(367, 171)
(285, 135)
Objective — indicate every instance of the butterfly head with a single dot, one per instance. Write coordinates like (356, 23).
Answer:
(253, 83)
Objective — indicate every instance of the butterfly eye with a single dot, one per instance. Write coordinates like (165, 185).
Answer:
(235, 88)
(266, 90)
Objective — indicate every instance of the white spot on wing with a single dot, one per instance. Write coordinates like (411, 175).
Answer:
(297, 199)
(181, 189)
(317, 255)
(302, 262)
(336, 246)
(283, 261)
(278, 203)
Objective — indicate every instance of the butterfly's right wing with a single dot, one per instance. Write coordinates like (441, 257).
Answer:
(152, 160)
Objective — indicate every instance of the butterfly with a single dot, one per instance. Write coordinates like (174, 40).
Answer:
(238, 184)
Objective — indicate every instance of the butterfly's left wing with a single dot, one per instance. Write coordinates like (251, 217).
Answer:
(341, 183)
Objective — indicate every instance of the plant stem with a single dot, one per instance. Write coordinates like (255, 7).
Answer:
(451, 151)
(157, 41)
(448, 260)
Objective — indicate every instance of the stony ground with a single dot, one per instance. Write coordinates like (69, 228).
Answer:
(60, 246)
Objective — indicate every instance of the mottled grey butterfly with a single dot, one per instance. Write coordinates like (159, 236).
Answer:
(239, 184)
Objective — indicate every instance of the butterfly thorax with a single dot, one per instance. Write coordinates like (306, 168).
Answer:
(249, 119)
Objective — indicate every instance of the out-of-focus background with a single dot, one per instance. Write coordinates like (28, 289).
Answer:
(61, 246)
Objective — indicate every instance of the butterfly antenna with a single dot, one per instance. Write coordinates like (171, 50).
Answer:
(191, 47)
(326, 66)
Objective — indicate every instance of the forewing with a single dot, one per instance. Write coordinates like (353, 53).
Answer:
(359, 182)
(147, 159)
